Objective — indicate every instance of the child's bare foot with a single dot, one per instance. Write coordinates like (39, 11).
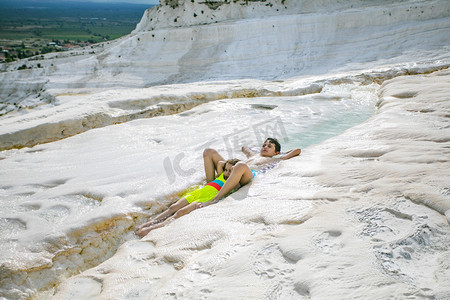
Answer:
(144, 231)
(149, 223)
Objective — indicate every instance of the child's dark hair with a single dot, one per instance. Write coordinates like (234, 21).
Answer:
(276, 143)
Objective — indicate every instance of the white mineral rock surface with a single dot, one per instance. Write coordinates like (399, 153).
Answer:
(98, 140)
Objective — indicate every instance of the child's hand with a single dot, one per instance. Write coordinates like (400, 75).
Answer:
(249, 153)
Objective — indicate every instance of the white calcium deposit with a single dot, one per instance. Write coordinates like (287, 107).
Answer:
(95, 141)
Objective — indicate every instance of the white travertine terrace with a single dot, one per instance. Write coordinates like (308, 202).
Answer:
(88, 140)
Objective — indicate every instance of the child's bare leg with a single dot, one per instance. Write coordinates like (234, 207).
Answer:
(211, 160)
(168, 212)
(187, 209)
(241, 174)
(184, 211)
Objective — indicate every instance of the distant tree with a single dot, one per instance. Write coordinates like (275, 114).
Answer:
(47, 49)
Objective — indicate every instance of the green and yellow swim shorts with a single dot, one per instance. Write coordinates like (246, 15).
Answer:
(206, 193)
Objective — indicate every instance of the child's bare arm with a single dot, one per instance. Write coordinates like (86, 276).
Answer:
(291, 153)
(249, 153)
(205, 204)
(220, 167)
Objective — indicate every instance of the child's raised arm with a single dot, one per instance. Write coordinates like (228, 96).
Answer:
(220, 167)
(249, 153)
(291, 153)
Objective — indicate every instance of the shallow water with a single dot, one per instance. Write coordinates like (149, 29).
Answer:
(297, 122)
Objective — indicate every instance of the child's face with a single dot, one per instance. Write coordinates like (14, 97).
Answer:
(227, 171)
(268, 149)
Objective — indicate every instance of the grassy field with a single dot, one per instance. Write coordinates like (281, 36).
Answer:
(27, 27)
